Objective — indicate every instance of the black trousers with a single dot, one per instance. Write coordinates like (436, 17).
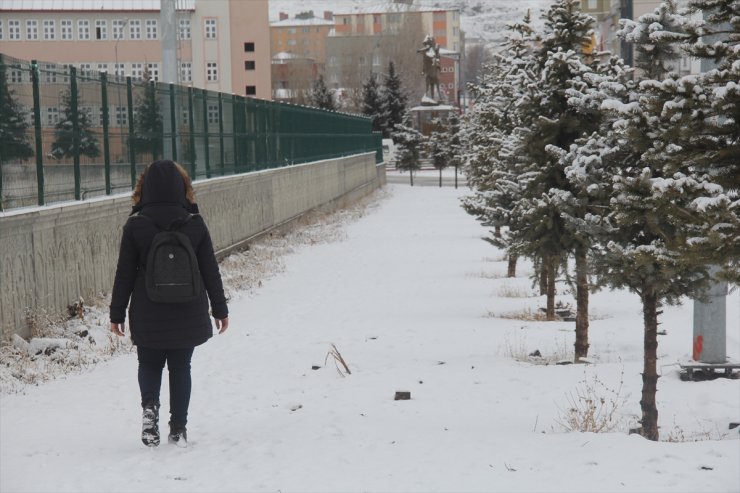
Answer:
(151, 364)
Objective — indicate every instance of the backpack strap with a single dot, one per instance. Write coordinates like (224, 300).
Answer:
(174, 225)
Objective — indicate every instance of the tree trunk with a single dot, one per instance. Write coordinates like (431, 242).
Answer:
(440, 177)
(511, 271)
(649, 373)
(455, 177)
(581, 345)
(411, 176)
(550, 273)
(543, 279)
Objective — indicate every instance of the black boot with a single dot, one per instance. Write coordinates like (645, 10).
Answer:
(178, 435)
(150, 424)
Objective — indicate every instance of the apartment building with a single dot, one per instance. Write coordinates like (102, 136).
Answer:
(304, 35)
(221, 45)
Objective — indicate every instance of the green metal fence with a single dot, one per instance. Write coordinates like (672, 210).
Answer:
(71, 133)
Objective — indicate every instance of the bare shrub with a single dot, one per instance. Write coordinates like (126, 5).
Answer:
(511, 291)
(487, 275)
(518, 350)
(593, 407)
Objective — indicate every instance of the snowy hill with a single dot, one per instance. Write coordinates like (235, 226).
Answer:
(484, 19)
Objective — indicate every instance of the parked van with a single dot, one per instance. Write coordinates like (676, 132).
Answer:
(389, 152)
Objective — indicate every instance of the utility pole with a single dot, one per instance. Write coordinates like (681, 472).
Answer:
(168, 43)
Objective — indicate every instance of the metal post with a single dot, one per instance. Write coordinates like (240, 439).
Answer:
(221, 131)
(106, 143)
(236, 118)
(205, 133)
(75, 130)
(131, 130)
(710, 324)
(191, 128)
(173, 123)
(37, 131)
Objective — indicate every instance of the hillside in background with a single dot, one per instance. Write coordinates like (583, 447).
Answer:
(484, 19)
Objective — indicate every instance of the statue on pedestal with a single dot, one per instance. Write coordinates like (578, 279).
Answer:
(430, 69)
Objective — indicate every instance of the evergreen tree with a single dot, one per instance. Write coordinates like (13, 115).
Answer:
(14, 142)
(545, 236)
(647, 235)
(320, 96)
(148, 126)
(454, 144)
(372, 104)
(485, 135)
(438, 143)
(63, 145)
(394, 100)
(408, 142)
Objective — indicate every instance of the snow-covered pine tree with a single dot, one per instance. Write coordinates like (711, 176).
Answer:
(148, 125)
(372, 104)
(647, 232)
(490, 163)
(409, 142)
(438, 145)
(320, 96)
(394, 99)
(63, 145)
(704, 131)
(14, 142)
(556, 125)
(454, 145)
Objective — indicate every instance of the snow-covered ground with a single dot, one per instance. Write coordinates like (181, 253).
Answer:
(414, 301)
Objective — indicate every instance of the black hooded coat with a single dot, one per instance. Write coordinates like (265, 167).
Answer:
(165, 325)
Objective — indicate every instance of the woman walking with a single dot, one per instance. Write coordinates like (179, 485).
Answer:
(168, 271)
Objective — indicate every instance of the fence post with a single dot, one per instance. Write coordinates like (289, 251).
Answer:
(131, 130)
(235, 108)
(37, 131)
(205, 132)
(173, 122)
(221, 131)
(191, 125)
(74, 109)
(106, 115)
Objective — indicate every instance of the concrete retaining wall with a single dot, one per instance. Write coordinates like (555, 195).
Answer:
(50, 256)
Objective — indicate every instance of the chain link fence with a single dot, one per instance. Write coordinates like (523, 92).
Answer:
(71, 133)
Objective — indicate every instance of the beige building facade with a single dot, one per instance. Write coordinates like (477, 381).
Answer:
(221, 45)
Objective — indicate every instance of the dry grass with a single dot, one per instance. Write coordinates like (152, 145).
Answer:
(525, 314)
(487, 275)
(593, 407)
(512, 291)
(516, 348)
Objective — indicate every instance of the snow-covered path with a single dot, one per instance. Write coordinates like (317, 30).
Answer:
(406, 300)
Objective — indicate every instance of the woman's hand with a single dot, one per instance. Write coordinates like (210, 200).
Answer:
(222, 324)
(117, 329)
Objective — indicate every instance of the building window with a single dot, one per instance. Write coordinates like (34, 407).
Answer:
(16, 76)
(211, 71)
(153, 69)
(32, 29)
(117, 26)
(592, 4)
(52, 116)
(65, 27)
(186, 72)
(100, 117)
(185, 116)
(134, 29)
(376, 19)
(184, 31)
(14, 29)
(121, 116)
(213, 114)
(151, 29)
(251, 90)
(291, 30)
(83, 29)
(248, 47)
(291, 42)
(119, 69)
(50, 74)
(102, 67)
(85, 70)
(210, 28)
(249, 65)
(101, 29)
(333, 61)
(137, 70)
(50, 28)
(306, 29)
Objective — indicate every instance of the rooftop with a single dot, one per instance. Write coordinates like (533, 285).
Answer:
(314, 21)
